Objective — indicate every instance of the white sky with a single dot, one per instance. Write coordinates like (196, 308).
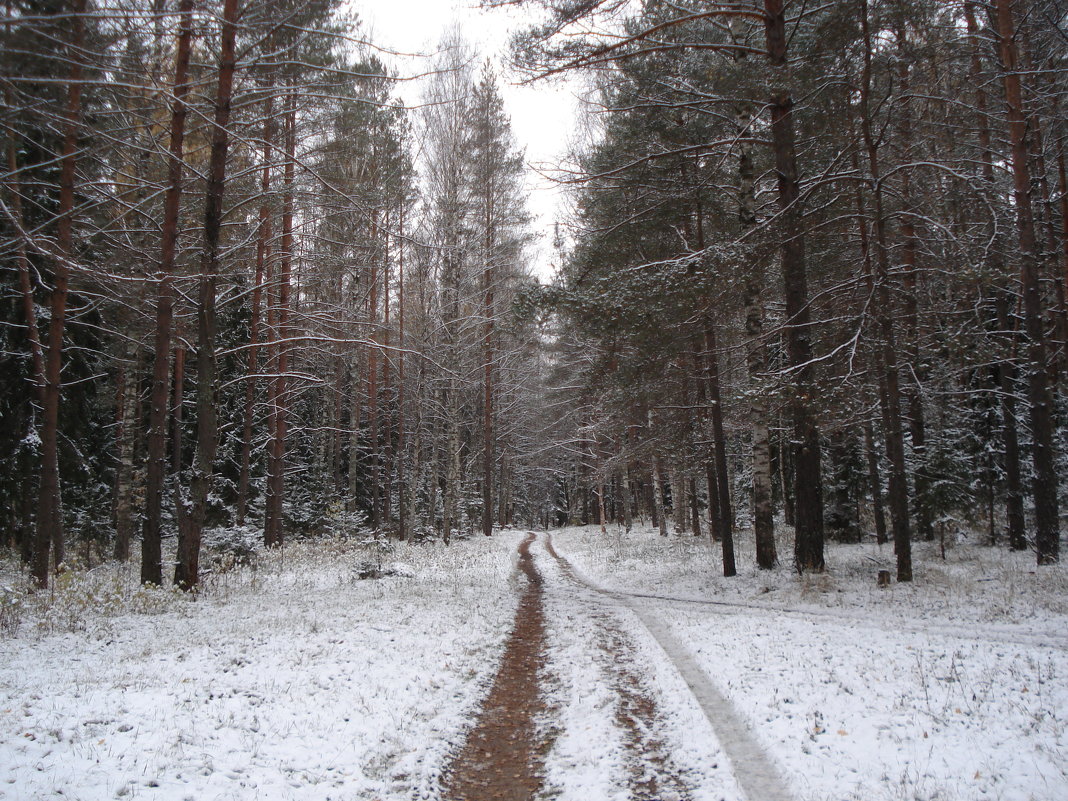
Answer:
(542, 114)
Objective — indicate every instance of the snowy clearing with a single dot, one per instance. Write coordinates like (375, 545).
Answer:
(297, 680)
(292, 681)
(953, 688)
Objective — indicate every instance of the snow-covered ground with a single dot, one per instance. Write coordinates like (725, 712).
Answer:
(298, 680)
(292, 681)
(953, 688)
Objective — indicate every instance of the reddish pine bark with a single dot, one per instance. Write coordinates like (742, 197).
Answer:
(49, 535)
(151, 549)
(187, 568)
(1044, 485)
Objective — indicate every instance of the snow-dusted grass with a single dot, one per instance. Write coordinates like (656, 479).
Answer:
(952, 688)
(291, 679)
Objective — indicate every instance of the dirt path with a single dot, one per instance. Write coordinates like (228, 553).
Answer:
(504, 755)
(502, 758)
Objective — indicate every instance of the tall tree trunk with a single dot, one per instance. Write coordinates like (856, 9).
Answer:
(187, 567)
(387, 390)
(1047, 212)
(756, 358)
(808, 489)
(1044, 486)
(263, 247)
(404, 479)
(49, 534)
(913, 388)
(151, 547)
(725, 518)
(487, 381)
(1006, 370)
(372, 396)
(273, 528)
(895, 445)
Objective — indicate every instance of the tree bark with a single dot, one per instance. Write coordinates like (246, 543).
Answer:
(487, 380)
(808, 488)
(187, 567)
(404, 479)
(263, 247)
(1044, 485)
(725, 518)
(914, 388)
(895, 447)
(49, 535)
(756, 357)
(273, 528)
(1005, 369)
(151, 547)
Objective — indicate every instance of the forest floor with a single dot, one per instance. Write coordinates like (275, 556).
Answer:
(632, 670)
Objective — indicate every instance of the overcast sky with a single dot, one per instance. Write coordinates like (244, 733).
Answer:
(542, 114)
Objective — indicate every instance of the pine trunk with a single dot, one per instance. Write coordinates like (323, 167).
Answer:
(49, 536)
(263, 239)
(808, 489)
(725, 516)
(1044, 486)
(156, 460)
(187, 568)
(892, 417)
(273, 528)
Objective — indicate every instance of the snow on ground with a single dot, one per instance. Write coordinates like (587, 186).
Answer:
(953, 688)
(591, 640)
(294, 680)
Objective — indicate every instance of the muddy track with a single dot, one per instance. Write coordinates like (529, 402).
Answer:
(752, 767)
(502, 758)
(651, 772)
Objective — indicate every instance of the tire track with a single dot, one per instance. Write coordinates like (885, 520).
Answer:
(651, 771)
(846, 617)
(752, 767)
